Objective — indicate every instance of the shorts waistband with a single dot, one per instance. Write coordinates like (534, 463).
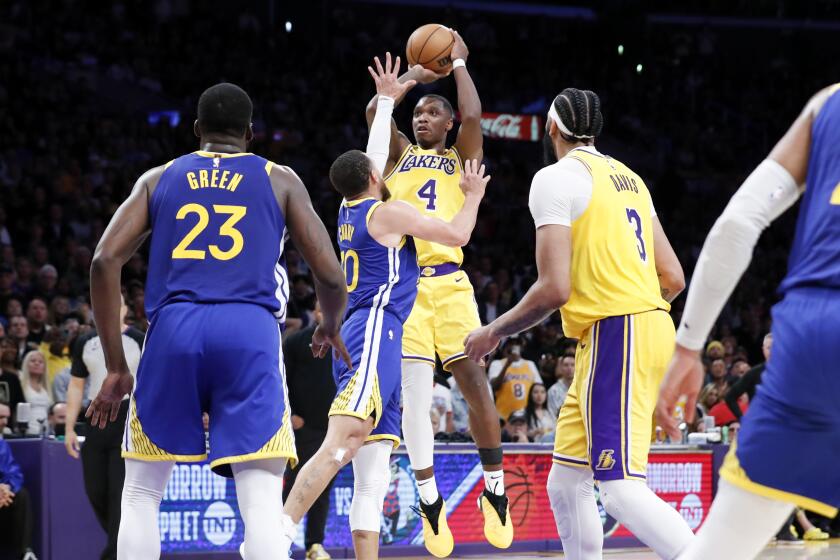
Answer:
(439, 269)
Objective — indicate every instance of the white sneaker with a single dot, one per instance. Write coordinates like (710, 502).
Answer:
(29, 556)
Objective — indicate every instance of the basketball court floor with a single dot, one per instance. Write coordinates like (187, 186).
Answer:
(826, 550)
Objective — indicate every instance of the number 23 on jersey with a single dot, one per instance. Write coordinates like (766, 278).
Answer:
(227, 229)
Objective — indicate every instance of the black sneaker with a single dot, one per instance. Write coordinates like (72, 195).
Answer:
(786, 536)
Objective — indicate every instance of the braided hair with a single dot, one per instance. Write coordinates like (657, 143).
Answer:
(580, 111)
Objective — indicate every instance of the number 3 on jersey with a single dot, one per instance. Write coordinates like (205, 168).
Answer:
(427, 193)
(636, 222)
(227, 229)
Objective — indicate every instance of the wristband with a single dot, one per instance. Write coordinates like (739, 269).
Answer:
(459, 63)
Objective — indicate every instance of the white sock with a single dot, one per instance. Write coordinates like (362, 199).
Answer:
(428, 490)
(259, 492)
(633, 504)
(739, 525)
(371, 478)
(139, 537)
(417, 387)
(572, 497)
(494, 482)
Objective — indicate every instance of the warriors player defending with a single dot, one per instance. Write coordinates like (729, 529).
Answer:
(426, 175)
(788, 447)
(376, 237)
(603, 256)
(216, 295)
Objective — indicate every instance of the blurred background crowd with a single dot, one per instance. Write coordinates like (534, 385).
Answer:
(91, 100)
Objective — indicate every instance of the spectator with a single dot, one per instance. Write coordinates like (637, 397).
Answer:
(311, 392)
(54, 349)
(7, 282)
(442, 402)
(13, 308)
(11, 391)
(24, 279)
(5, 418)
(714, 350)
(61, 384)
(460, 409)
(434, 416)
(45, 285)
(717, 375)
(489, 306)
(540, 421)
(15, 509)
(564, 373)
(102, 465)
(738, 368)
(36, 391)
(511, 378)
(19, 333)
(515, 429)
(56, 418)
(36, 318)
(746, 384)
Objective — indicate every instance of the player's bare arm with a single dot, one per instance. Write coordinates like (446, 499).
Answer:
(470, 141)
(547, 295)
(724, 258)
(668, 267)
(394, 219)
(400, 141)
(125, 233)
(312, 240)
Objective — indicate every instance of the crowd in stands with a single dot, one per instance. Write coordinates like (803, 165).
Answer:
(94, 99)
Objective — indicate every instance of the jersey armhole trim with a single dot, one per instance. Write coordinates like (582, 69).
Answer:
(398, 162)
(455, 151)
(368, 216)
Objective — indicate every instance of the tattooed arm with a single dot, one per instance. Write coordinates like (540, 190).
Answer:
(549, 293)
(311, 239)
(668, 268)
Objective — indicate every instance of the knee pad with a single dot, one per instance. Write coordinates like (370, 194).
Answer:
(615, 495)
(566, 486)
(372, 475)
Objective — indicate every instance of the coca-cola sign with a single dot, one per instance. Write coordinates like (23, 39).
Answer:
(511, 127)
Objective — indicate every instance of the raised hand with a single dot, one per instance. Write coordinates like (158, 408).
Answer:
(459, 49)
(473, 181)
(387, 78)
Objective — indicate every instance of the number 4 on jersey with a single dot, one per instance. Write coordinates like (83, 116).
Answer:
(427, 193)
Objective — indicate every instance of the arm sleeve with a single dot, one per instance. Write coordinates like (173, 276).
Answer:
(560, 193)
(767, 192)
(379, 140)
(10, 472)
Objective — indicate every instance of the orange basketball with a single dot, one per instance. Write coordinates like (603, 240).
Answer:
(431, 46)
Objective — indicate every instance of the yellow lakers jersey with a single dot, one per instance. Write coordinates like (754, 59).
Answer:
(613, 269)
(429, 182)
(513, 394)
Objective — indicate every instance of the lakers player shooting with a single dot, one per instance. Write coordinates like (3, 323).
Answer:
(604, 260)
(795, 407)
(376, 237)
(216, 297)
(426, 175)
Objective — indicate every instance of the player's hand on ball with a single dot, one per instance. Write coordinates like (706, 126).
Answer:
(106, 406)
(684, 377)
(479, 343)
(459, 49)
(473, 180)
(322, 341)
(387, 78)
(424, 75)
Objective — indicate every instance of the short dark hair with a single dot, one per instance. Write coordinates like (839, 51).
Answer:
(349, 173)
(580, 111)
(443, 101)
(225, 108)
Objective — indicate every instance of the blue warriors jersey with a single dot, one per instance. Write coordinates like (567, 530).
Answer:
(217, 234)
(815, 255)
(378, 277)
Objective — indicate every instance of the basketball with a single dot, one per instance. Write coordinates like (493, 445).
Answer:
(431, 46)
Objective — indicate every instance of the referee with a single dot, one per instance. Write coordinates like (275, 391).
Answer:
(311, 392)
(102, 462)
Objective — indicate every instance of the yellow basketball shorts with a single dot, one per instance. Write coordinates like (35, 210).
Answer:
(606, 421)
(444, 313)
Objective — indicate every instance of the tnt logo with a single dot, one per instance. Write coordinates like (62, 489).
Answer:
(691, 508)
(219, 523)
(605, 460)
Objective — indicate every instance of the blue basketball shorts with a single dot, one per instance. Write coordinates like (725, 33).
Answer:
(223, 359)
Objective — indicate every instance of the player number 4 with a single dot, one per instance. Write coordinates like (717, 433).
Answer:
(427, 193)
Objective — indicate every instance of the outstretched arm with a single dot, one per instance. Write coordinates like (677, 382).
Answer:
(310, 237)
(547, 295)
(125, 233)
(470, 142)
(394, 219)
(771, 189)
(388, 89)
